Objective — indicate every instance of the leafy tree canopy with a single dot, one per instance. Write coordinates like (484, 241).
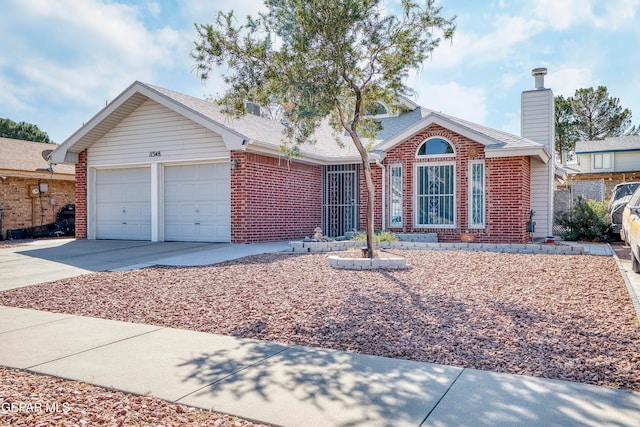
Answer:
(22, 130)
(591, 114)
(322, 59)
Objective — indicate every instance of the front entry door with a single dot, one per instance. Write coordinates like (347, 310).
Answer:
(340, 200)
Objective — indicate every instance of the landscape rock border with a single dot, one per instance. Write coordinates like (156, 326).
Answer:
(526, 248)
(353, 263)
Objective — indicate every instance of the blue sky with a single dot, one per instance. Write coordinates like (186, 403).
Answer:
(62, 60)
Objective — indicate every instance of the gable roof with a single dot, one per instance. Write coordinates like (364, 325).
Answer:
(497, 143)
(247, 132)
(254, 133)
(24, 159)
(611, 144)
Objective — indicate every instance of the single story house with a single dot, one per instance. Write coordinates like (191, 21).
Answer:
(31, 191)
(159, 165)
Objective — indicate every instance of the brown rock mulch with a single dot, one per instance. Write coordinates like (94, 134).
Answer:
(563, 317)
(38, 400)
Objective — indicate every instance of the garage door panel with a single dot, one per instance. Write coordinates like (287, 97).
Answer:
(197, 203)
(123, 204)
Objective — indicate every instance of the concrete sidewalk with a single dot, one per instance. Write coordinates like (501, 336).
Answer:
(293, 385)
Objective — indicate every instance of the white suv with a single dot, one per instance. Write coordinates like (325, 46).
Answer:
(630, 231)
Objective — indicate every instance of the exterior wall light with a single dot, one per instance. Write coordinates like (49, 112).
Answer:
(234, 163)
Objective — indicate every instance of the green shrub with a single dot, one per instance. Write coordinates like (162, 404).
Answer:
(588, 220)
(382, 236)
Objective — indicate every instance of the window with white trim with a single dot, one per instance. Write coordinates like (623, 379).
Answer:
(602, 161)
(435, 147)
(435, 195)
(476, 194)
(395, 202)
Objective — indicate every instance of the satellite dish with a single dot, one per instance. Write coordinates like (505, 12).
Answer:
(46, 154)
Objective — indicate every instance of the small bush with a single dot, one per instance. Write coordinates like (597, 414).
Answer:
(588, 220)
(382, 236)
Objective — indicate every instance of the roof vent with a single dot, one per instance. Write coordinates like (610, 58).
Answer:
(538, 74)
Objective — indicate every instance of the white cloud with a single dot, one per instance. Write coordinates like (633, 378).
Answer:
(154, 8)
(451, 98)
(204, 12)
(562, 14)
(497, 43)
(565, 14)
(566, 79)
(93, 46)
(12, 98)
(618, 14)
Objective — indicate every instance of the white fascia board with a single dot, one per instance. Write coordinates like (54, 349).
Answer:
(538, 153)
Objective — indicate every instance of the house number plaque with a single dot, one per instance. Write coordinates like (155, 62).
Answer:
(155, 153)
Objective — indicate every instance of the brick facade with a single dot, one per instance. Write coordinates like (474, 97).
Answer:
(507, 190)
(376, 177)
(20, 210)
(81, 196)
(273, 199)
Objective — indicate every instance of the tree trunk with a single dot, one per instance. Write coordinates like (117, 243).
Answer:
(371, 193)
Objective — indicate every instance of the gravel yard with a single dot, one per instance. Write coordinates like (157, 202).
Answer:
(564, 317)
(38, 400)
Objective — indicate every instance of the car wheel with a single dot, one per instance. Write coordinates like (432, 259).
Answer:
(635, 265)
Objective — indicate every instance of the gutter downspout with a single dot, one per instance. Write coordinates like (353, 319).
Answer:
(384, 192)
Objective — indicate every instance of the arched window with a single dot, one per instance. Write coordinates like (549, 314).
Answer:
(435, 147)
(378, 110)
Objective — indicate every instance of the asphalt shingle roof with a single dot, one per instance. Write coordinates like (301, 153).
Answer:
(269, 134)
(503, 139)
(26, 156)
(262, 129)
(620, 143)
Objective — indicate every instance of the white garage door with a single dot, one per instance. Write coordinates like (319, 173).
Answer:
(123, 204)
(197, 203)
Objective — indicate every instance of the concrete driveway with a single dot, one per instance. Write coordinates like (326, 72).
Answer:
(47, 260)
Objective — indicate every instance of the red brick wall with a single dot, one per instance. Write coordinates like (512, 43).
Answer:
(273, 200)
(376, 177)
(81, 196)
(508, 199)
(20, 210)
(507, 189)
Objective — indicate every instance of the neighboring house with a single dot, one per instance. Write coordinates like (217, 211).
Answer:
(30, 192)
(601, 165)
(159, 165)
(616, 155)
